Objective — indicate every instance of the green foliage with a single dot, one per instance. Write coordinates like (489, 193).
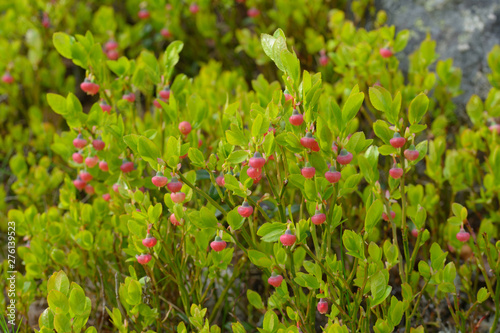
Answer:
(381, 249)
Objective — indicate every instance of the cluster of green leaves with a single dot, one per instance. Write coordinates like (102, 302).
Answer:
(69, 308)
(30, 57)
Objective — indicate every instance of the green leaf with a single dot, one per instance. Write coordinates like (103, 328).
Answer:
(196, 157)
(396, 107)
(120, 67)
(307, 281)
(104, 20)
(271, 232)
(271, 321)
(132, 141)
(450, 272)
(351, 107)
(387, 150)
(336, 119)
(173, 151)
(58, 281)
(475, 109)
(237, 156)
(446, 287)
(293, 141)
(318, 162)
(422, 149)
(417, 128)
(254, 299)
(85, 239)
(257, 122)
(267, 42)
(463, 213)
(357, 143)
(381, 129)
(207, 218)
(456, 208)
(379, 288)
(57, 103)
(134, 292)
(291, 64)
(18, 166)
(236, 327)
(482, 295)
(407, 292)
(62, 43)
(351, 183)
(148, 151)
(375, 252)
(75, 115)
(79, 55)
(232, 184)
(236, 137)
(373, 215)
(291, 313)
(154, 212)
(366, 169)
(171, 57)
(278, 46)
(46, 319)
(424, 269)
(438, 257)
(396, 311)
(77, 300)
(354, 244)
(310, 189)
(259, 259)
(420, 217)
(235, 220)
(401, 40)
(62, 323)
(269, 144)
(381, 99)
(418, 108)
(58, 302)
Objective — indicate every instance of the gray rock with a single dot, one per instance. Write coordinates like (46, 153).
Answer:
(465, 30)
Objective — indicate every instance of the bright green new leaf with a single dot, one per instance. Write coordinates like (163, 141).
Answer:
(354, 244)
(259, 259)
(351, 107)
(380, 98)
(196, 157)
(257, 123)
(77, 300)
(62, 43)
(381, 129)
(401, 40)
(255, 299)
(373, 215)
(418, 108)
(235, 220)
(482, 295)
(134, 292)
(207, 218)
(57, 103)
(58, 302)
(271, 232)
(58, 281)
(291, 64)
(148, 151)
(62, 323)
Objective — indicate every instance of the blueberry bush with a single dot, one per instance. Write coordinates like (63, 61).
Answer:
(242, 166)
